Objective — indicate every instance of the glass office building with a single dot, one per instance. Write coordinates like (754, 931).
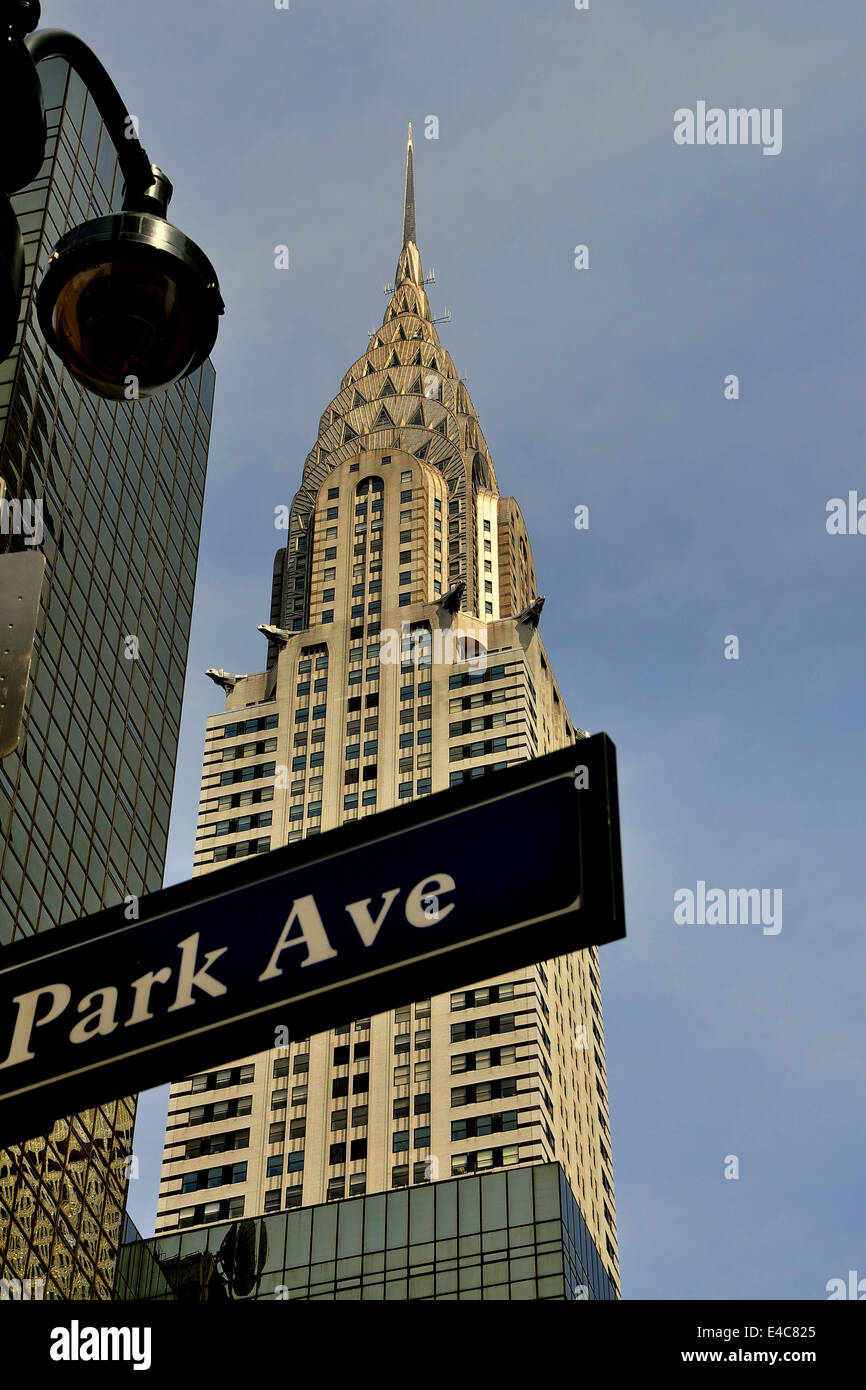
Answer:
(510, 1235)
(85, 799)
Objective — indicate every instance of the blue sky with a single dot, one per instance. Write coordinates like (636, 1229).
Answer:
(603, 387)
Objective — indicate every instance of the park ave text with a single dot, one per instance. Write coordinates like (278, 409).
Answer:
(181, 984)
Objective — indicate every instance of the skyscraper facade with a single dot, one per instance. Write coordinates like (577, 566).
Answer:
(404, 657)
(113, 495)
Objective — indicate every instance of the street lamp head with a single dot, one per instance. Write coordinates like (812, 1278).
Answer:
(129, 304)
(22, 108)
(22, 16)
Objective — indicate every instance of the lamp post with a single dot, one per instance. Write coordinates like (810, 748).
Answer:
(127, 302)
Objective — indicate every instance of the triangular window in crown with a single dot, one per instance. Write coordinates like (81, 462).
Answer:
(442, 427)
(388, 388)
(349, 433)
(422, 452)
(434, 364)
(401, 335)
(358, 399)
(417, 417)
(415, 388)
(416, 360)
(369, 369)
(377, 342)
(393, 360)
(382, 419)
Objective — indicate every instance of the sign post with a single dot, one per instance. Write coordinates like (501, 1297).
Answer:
(509, 869)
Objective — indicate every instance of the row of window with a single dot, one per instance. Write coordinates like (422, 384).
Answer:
(226, 1076)
(475, 1125)
(292, 1197)
(493, 673)
(479, 998)
(247, 798)
(483, 1091)
(280, 1099)
(247, 774)
(302, 715)
(353, 750)
(422, 1171)
(340, 1118)
(422, 736)
(423, 787)
(337, 1187)
(484, 1159)
(471, 1127)
(361, 1053)
(483, 1027)
(357, 1149)
(470, 774)
(277, 1131)
(299, 762)
(223, 1176)
(480, 749)
(403, 1042)
(402, 1073)
(217, 1143)
(237, 824)
(242, 849)
(476, 725)
(339, 1087)
(483, 697)
(215, 1111)
(248, 750)
(420, 1139)
(481, 1061)
(292, 1163)
(230, 1209)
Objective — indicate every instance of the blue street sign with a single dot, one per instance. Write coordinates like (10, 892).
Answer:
(512, 868)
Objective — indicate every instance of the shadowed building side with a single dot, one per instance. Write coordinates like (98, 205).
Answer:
(85, 799)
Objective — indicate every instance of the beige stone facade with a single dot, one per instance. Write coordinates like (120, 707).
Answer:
(375, 692)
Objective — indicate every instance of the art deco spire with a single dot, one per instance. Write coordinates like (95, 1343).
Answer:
(409, 200)
(409, 264)
(404, 392)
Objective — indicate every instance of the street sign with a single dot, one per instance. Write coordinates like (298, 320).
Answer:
(511, 868)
